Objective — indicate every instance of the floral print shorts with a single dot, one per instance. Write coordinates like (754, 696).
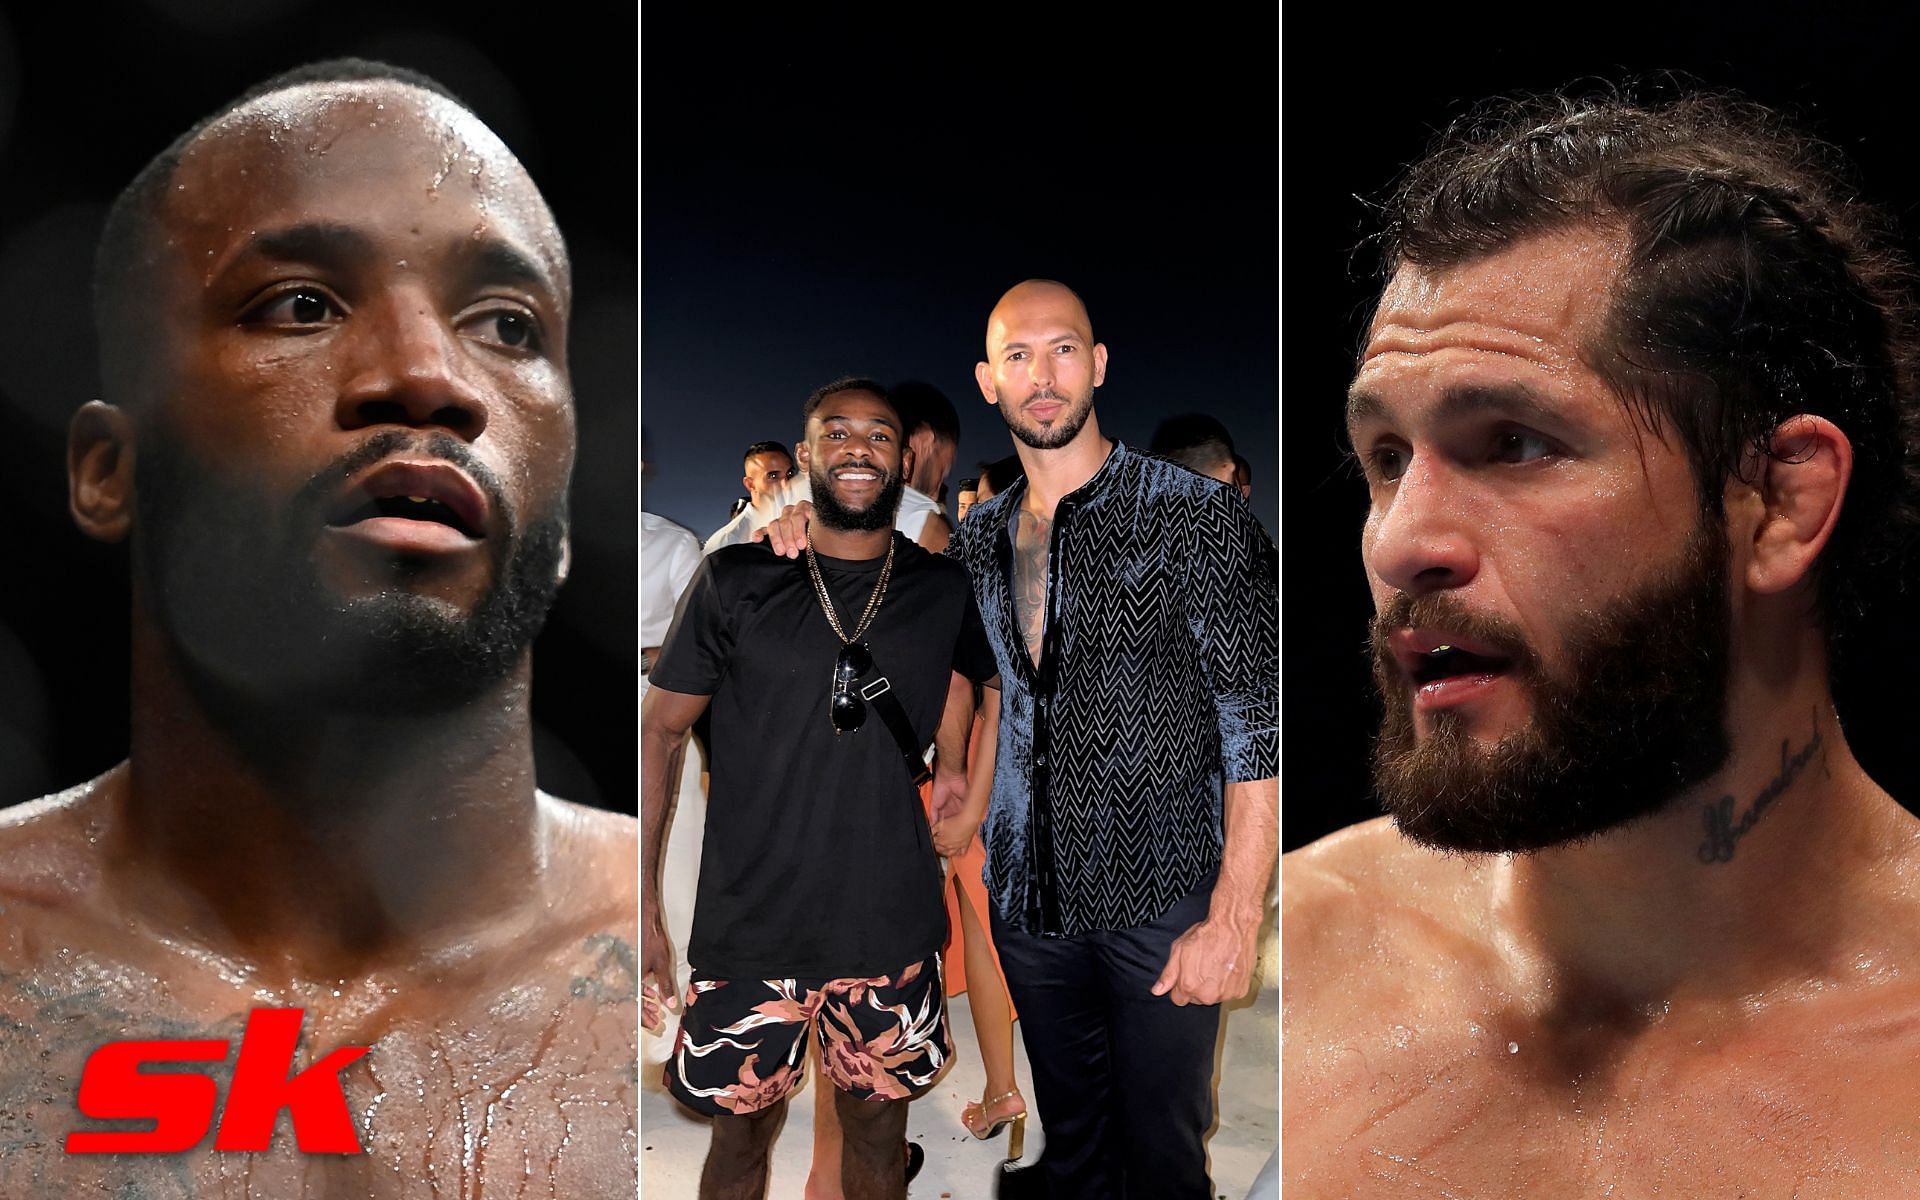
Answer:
(742, 1043)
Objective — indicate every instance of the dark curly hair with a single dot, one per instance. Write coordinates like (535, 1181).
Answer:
(1758, 285)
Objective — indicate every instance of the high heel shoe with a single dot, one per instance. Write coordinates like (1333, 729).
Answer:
(973, 1116)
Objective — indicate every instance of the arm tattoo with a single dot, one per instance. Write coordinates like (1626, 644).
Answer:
(1030, 538)
(1723, 832)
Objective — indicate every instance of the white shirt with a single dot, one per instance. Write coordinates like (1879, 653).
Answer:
(742, 527)
(668, 556)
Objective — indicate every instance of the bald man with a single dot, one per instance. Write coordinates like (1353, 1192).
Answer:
(337, 435)
(1131, 831)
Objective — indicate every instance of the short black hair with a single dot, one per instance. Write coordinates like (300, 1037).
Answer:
(127, 240)
(1196, 441)
(1757, 285)
(766, 448)
(847, 383)
(923, 406)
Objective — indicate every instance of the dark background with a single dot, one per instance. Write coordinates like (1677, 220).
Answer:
(1350, 130)
(89, 93)
(839, 193)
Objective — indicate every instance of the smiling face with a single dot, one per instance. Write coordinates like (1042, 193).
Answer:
(853, 461)
(353, 418)
(1551, 606)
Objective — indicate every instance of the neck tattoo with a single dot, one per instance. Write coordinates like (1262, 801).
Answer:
(1723, 832)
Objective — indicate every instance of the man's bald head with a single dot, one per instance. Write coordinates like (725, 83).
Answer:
(132, 241)
(1032, 295)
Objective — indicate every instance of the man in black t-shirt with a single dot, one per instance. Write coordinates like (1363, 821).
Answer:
(819, 903)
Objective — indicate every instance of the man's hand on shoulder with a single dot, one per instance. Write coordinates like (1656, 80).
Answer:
(786, 534)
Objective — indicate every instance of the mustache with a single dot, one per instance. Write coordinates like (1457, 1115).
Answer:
(1445, 611)
(328, 480)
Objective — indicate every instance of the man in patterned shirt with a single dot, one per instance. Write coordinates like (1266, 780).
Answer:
(1131, 833)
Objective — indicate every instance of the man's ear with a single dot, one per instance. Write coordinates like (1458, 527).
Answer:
(802, 455)
(983, 375)
(100, 471)
(1099, 364)
(1802, 487)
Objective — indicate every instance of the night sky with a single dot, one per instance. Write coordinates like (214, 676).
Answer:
(1408, 78)
(837, 197)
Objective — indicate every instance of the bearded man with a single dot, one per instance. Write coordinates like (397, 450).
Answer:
(337, 434)
(1634, 413)
(819, 910)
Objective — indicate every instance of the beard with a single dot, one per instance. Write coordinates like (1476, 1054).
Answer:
(828, 510)
(1063, 429)
(229, 575)
(1637, 716)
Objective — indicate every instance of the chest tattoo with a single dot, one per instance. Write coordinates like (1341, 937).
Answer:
(1030, 537)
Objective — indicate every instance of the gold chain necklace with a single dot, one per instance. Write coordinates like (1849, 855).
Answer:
(826, 601)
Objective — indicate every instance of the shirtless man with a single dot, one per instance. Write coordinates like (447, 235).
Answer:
(337, 435)
(1630, 413)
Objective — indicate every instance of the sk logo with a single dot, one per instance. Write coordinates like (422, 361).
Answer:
(113, 1088)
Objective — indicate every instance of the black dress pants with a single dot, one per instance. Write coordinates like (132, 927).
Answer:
(1123, 1078)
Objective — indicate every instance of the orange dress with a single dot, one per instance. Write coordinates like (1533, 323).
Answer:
(966, 869)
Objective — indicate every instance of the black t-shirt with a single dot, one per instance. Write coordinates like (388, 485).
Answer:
(817, 861)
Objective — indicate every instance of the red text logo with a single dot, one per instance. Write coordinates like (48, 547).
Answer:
(181, 1104)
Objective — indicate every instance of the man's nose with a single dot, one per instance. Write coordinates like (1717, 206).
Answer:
(1420, 536)
(1041, 370)
(408, 367)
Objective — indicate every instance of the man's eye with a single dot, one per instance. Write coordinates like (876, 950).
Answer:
(1520, 446)
(1386, 463)
(1016, 356)
(507, 328)
(1063, 349)
(300, 306)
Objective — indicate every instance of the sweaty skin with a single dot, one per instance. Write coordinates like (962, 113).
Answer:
(503, 1058)
(1720, 1000)
(393, 872)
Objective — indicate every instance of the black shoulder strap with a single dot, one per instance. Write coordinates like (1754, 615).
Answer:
(879, 693)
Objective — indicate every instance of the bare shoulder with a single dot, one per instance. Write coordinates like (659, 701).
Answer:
(595, 853)
(1368, 877)
(594, 873)
(1366, 914)
(49, 855)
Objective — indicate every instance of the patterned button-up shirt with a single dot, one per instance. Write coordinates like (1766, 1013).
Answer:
(1158, 679)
